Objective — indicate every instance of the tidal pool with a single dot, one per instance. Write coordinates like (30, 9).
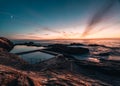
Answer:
(31, 57)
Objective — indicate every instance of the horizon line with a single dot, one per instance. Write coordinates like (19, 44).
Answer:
(72, 39)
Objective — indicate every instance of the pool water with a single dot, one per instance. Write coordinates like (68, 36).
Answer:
(34, 57)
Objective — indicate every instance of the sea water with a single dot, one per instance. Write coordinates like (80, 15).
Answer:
(111, 46)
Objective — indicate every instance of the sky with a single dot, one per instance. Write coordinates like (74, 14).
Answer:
(59, 19)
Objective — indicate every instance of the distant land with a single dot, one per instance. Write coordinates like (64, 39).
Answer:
(72, 39)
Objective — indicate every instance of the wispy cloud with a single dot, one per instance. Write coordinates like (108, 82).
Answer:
(98, 17)
(25, 36)
(51, 30)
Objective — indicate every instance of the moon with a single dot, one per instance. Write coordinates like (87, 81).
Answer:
(11, 17)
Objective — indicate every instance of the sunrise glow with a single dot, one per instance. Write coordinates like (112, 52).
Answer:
(60, 20)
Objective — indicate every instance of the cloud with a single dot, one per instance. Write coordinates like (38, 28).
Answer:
(31, 33)
(46, 34)
(98, 17)
(51, 30)
(113, 24)
(25, 36)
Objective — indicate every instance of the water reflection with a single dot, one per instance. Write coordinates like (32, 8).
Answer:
(81, 57)
(31, 57)
(114, 58)
(36, 57)
(93, 60)
(23, 48)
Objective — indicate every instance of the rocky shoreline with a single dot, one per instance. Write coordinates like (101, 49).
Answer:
(62, 70)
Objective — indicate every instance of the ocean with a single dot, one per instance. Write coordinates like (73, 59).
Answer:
(96, 47)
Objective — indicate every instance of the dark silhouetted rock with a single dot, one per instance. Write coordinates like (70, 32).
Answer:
(93, 45)
(12, 60)
(29, 44)
(97, 45)
(77, 44)
(58, 45)
(6, 44)
(104, 54)
(65, 49)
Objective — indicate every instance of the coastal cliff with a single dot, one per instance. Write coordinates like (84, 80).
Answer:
(6, 44)
(59, 70)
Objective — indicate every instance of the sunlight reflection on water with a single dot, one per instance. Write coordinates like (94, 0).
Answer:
(31, 57)
(93, 60)
(23, 48)
(36, 57)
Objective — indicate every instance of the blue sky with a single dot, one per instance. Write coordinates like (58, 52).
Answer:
(42, 19)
